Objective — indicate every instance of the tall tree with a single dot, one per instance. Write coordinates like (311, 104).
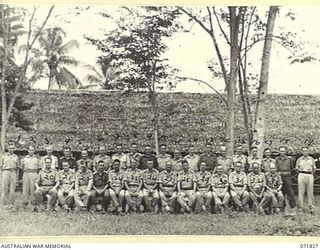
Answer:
(52, 59)
(136, 50)
(9, 25)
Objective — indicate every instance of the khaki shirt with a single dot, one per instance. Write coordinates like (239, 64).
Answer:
(116, 178)
(123, 158)
(133, 177)
(66, 178)
(168, 179)
(226, 163)
(150, 177)
(30, 164)
(220, 182)
(257, 181)
(47, 178)
(9, 161)
(273, 181)
(162, 160)
(193, 162)
(203, 179)
(83, 178)
(186, 180)
(105, 158)
(306, 164)
(238, 180)
(54, 162)
(252, 160)
(241, 158)
(266, 163)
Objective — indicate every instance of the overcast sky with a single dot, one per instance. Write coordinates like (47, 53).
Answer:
(190, 52)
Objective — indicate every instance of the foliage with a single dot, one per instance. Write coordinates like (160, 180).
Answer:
(51, 59)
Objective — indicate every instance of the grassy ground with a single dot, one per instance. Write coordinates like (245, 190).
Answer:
(24, 223)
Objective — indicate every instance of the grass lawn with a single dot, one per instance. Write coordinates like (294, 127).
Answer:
(24, 223)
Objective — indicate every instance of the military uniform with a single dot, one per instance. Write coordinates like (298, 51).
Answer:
(46, 180)
(30, 167)
(133, 196)
(105, 158)
(162, 161)
(266, 163)
(251, 160)
(273, 181)
(83, 185)
(87, 162)
(9, 164)
(117, 180)
(238, 182)
(99, 181)
(65, 192)
(72, 163)
(210, 160)
(226, 163)
(169, 182)
(285, 167)
(124, 160)
(193, 161)
(150, 179)
(186, 197)
(240, 158)
(219, 183)
(203, 195)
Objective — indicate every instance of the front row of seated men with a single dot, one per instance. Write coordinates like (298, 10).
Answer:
(148, 190)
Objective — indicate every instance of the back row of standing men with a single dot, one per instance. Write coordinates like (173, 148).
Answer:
(305, 165)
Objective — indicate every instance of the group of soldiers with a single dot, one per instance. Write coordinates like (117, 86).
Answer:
(135, 182)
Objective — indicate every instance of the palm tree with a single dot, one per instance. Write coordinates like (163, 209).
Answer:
(105, 75)
(53, 58)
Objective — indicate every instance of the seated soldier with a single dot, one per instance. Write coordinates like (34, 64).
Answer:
(257, 185)
(83, 186)
(66, 188)
(133, 184)
(220, 187)
(203, 194)
(46, 184)
(274, 186)
(116, 192)
(238, 188)
(150, 187)
(99, 194)
(186, 188)
(167, 185)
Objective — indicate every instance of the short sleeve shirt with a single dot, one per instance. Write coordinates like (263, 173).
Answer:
(306, 164)
(30, 163)
(133, 177)
(84, 178)
(203, 179)
(220, 182)
(168, 179)
(186, 179)
(100, 179)
(123, 160)
(162, 160)
(87, 162)
(151, 177)
(256, 181)
(238, 180)
(266, 164)
(47, 178)
(225, 162)
(9, 161)
(273, 180)
(105, 158)
(252, 160)
(116, 178)
(193, 161)
(66, 178)
(241, 158)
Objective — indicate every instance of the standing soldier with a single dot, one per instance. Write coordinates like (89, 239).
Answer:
(163, 157)
(85, 160)
(285, 166)
(147, 157)
(9, 166)
(102, 156)
(54, 159)
(68, 157)
(238, 187)
(83, 186)
(257, 185)
(186, 188)
(220, 186)
(150, 191)
(122, 157)
(134, 154)
(66, 187)
(30, 166)
(274, 186)
(240, 157)
(116, 182)
(133, 184)
(192, 159)
(47, 183)
(267, 161)
(177, 161)
(99, 195)
(254, 158)
(225, 161)
(209, 158)
(203, 194)
(306, 167)
(167, 185)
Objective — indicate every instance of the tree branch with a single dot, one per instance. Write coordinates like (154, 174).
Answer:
(220, 26)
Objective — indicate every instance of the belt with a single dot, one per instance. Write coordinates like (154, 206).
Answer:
(285, 172)
(186, 189)
(10, 169)
(170, 186)
(305, 172)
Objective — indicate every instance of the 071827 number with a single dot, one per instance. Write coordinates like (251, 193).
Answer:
(309, 246)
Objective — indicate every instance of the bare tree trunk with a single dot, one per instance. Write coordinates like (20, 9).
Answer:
(231, 86)
(155, 109)
(5, 29)
(259, 130)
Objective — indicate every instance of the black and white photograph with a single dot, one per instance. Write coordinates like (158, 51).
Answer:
(159, 120)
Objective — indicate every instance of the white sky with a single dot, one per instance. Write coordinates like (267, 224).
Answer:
(190, 52)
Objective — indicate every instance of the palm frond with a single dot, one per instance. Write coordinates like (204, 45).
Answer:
(68, 60)
(65, 48)
(68, 79)
(93, 79)
(93, 70)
